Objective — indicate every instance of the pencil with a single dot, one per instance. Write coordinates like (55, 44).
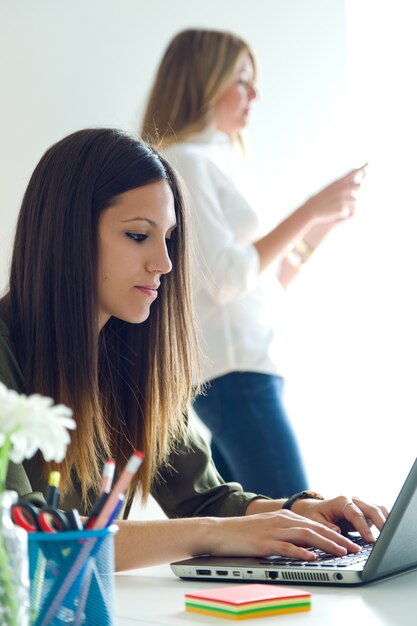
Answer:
(121, 485)
(107, 476)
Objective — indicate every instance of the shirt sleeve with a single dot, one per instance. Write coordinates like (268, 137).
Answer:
(18, 480)
(10, 375)
(190, 486)
(225, 268)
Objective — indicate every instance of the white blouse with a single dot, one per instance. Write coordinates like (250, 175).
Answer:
(234, 317)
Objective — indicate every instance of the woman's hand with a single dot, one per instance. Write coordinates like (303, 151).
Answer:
(336, 514)
(265, 530)
(280, 532)
(332, 204)
(349, 513)
(337, 201)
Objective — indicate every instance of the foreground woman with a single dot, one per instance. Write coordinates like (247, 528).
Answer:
(98, 316)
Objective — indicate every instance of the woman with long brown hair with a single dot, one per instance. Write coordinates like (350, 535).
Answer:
(198, 107)
(98, 316)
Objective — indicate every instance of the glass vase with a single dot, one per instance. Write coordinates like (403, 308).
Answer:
(14, 567)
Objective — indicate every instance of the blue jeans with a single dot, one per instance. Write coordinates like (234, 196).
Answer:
(252, 441)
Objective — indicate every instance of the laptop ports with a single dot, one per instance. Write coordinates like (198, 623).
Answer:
(203, 572)
(272, 575)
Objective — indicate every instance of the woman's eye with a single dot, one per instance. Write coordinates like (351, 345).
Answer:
(246, 83)
(137, 237)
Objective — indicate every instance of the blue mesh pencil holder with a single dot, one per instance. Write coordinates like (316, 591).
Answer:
(72, 578)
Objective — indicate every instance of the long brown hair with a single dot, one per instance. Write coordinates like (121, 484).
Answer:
(190, 77)
(130, 384)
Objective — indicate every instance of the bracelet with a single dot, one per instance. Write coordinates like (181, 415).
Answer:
(313, 495)
(304, 249)
(299, 253)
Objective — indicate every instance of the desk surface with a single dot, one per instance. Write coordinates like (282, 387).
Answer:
(154, 596)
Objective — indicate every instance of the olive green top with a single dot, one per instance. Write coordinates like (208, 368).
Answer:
(188, 486)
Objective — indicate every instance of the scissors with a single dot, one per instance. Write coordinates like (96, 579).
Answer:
(47, 519)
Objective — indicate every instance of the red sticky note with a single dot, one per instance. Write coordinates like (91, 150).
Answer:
(244, 594)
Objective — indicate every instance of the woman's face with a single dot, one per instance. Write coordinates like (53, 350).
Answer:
(132, 251)
(231, 111)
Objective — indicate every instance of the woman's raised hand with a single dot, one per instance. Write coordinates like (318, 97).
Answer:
(337, 201)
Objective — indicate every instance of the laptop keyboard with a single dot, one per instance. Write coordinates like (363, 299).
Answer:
(325, 559)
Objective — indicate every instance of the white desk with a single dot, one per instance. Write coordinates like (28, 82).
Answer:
(154, 596)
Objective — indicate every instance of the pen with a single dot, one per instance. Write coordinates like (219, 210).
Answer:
(88, 573)
(98, 507)
(116, 510)
(95, 511)
(52, 493)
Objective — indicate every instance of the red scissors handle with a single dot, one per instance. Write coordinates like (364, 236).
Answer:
(26, 516)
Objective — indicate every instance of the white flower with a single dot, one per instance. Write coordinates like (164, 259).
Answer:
(33, 423)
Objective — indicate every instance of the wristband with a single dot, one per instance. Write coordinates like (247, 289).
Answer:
(303, 495)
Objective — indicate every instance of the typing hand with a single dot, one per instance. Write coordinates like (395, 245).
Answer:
(353, 512)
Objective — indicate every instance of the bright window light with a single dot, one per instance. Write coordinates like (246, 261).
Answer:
(357, 407)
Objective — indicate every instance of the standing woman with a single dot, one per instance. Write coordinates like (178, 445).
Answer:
(98, 316)
(198, 106)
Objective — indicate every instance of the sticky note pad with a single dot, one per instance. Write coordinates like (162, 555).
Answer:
(246, 601)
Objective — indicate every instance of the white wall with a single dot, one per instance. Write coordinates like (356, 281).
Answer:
(68, 65)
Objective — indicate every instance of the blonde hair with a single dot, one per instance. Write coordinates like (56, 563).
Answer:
(190, 77)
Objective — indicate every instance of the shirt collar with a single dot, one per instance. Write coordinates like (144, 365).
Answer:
(210, 135)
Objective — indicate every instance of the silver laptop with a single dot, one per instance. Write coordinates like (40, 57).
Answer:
(394, 552)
